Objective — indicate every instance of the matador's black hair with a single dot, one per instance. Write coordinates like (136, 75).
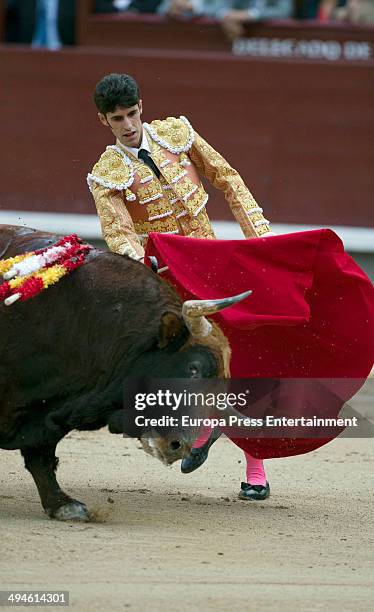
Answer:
(116, 90)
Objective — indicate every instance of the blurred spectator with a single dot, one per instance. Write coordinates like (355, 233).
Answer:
(360, 11)
(352, 11)
(20, 19)
(105, 6)
(66, 21)
(22, 23)
(186, 8)
(134, 6)
(46, 29)
(307, 9)
(233, 13)
(327, 9)
(253, 9)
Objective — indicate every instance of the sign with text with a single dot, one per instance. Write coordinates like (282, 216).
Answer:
(257, 407)
(314, 49)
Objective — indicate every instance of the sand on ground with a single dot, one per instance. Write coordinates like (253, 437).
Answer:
(168, 541)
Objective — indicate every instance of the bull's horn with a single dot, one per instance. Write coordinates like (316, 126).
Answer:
(194, 311)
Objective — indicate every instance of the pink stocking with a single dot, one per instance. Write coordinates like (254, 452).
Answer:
(255, 470)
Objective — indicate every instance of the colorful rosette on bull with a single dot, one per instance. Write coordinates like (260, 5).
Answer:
(28, 274)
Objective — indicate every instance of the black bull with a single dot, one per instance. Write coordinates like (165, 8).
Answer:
(64, 355)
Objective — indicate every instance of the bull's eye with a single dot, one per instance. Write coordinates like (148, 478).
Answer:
(194, 370)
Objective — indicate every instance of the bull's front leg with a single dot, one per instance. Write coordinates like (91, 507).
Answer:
(42, 464)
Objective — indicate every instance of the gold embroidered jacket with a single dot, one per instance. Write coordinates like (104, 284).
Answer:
(132, 202)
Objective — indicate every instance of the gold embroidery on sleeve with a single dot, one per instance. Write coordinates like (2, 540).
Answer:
(116, 223)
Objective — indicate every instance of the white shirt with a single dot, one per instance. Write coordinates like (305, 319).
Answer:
(144, 145)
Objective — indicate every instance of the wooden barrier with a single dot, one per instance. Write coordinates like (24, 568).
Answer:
(130, 30)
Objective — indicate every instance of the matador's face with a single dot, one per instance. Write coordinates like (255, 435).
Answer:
(125, 124)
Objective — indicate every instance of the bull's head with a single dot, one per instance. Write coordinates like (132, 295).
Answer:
(204, 352)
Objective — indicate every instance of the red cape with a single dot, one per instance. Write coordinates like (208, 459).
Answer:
(311, 314)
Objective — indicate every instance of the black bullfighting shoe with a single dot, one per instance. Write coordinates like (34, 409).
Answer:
(198, 456)
(254, 492)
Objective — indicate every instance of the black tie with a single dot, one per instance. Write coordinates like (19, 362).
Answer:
(144, 155)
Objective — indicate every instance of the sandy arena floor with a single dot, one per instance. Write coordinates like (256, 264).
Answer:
(172, 542)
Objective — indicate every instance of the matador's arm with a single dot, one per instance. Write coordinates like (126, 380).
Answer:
(223, 177)
(116, 223)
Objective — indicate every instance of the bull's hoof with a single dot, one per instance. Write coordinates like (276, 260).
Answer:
(73, 511)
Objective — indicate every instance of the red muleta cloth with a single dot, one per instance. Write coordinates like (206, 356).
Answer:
(311, 314)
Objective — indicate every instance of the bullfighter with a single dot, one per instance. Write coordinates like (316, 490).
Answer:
(149, 181)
